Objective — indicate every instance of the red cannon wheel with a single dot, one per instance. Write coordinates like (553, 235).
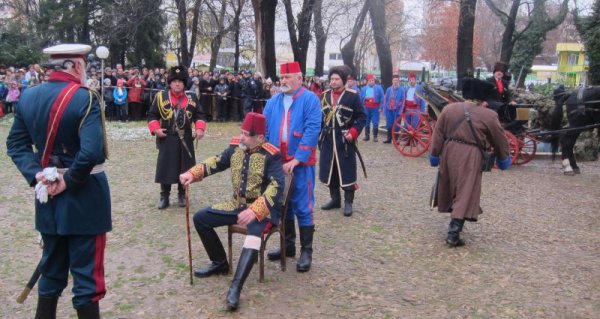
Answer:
(411, 141)
(513, 145)
(527, 148)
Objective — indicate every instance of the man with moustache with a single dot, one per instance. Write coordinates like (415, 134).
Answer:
(293, 124)
(58, 143)
(343, 120)
(172, 117)
(258, 180)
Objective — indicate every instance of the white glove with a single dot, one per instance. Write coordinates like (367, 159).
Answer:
(41, 191)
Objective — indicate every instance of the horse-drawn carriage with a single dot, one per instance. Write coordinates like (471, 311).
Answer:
(412, 137)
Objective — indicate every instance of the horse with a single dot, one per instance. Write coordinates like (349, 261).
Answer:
(583, 109)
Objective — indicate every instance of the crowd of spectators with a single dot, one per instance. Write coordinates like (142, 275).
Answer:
(129, 92)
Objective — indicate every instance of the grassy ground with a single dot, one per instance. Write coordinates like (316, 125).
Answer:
(533, 254)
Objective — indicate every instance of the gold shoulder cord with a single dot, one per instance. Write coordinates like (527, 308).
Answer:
(165, 113)
(324, 103)
(102, 120)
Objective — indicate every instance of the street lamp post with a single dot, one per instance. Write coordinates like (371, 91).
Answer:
(102, 53)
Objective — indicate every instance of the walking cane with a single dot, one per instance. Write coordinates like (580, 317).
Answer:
(187, 222)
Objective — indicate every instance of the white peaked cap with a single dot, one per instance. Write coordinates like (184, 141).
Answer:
(68, 50)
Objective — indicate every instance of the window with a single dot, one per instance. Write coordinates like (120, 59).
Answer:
(573, 59)
(335, 56)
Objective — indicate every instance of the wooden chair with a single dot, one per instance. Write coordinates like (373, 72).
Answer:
(238, 229)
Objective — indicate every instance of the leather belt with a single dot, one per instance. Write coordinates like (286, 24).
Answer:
(96, 170)
(462, 142)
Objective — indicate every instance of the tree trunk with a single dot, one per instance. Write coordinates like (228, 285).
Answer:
(377, 14)
(464, 47)
(264, 24)
(348, 50)
(187, 53)
(320, 38)
(301, 41)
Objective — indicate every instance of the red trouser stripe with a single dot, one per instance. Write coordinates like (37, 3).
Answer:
(99, 268)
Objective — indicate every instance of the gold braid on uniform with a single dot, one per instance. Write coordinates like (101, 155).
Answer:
(237, 161)
(211, 164)
(165, 113)
(255, 175)
(261, 205)
(197, 171)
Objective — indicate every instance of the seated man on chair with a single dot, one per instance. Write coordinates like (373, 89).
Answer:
(258, 181)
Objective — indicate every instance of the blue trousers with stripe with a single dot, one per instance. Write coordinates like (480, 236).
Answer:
(84, 257)
(302, 202)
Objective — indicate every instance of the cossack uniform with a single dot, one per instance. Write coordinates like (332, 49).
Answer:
(179, 116)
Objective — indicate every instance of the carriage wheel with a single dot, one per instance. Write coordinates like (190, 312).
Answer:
(411, 141)
(527, 148)
(513, 145)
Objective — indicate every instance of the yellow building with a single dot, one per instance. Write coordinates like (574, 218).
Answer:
(572, 66)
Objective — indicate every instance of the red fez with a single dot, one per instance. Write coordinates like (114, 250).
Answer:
(370, 77)
(255, 123)
(412, 75)
(290, 67)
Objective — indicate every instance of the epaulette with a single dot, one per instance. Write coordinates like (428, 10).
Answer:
(351, 90)
(272, 149)
(234, 141)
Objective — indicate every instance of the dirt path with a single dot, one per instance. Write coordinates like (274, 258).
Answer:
(534, 253)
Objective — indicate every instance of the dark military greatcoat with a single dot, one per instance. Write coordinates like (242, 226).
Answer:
(336, 153)
(84, 207)
(176, 151)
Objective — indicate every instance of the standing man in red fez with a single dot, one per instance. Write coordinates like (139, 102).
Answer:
(343, 119)
(412, 105)
(65, 123)
(394, 96)
(172, 117)
(371, 96)
(258, 180)
(293, 124)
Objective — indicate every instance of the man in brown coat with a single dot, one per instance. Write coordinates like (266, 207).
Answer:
(459, 186)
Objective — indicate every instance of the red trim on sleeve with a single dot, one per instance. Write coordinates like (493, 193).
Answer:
(200, 125)
(353, 132)
(153, 126)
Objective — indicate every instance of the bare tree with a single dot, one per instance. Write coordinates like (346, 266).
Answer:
(219, 17)
(348, 50)
(510, 34)
(464, 52)
(325, 15)
(264, 25)
(302, 26)
(377, 13)
(187, 52)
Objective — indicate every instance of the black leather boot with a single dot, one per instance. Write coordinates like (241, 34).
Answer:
(216, 253)
(46, 308)
(290, 242)
(181, 199)
(375, 133)
(91, 311)
(366, 138)
(247, 258)
(454, 230)
(165, 191)
(348, 200)
(389, 138)
(335, 201)
(306, 241)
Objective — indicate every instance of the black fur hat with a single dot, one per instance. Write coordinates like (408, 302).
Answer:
(500, 66)
(178, 73)
(476, 89)
(342, 70)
